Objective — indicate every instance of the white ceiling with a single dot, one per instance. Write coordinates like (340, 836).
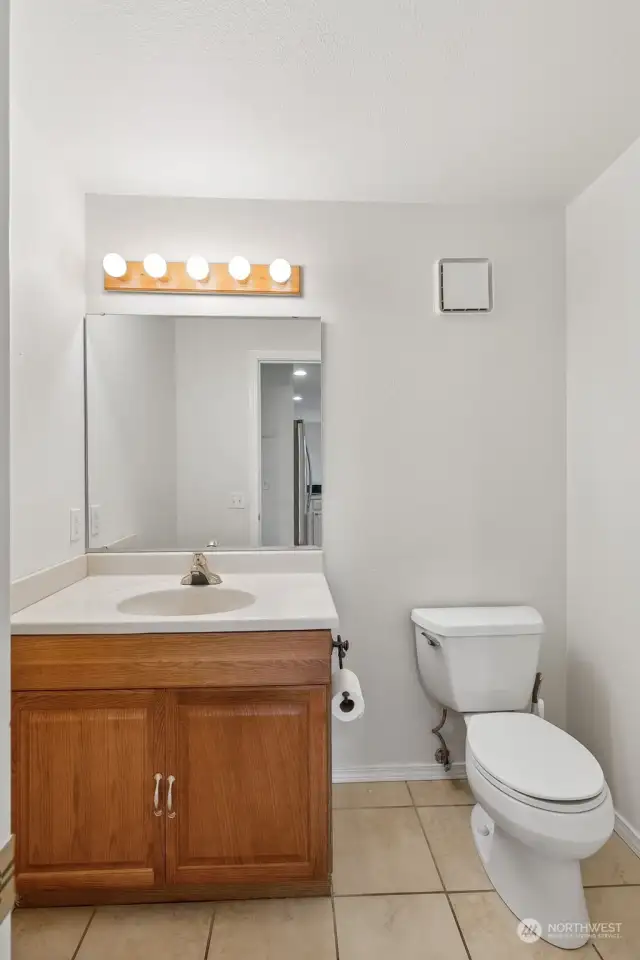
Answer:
(423, 100)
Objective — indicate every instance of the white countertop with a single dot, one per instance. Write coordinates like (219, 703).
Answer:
(283, 601)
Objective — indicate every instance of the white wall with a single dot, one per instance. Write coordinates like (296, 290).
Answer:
(5, 646)
(603, 247)
(47, 306)
(444, 438)
(131, 389)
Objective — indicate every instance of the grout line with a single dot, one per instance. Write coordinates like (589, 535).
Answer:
(409, 806)
(406, 893)
(446, 892)
(213, 918)
(608, 886)
(77, 949)
(426, 840)
(596, 949)
(387, 806)
(457, 923)
(335, 926)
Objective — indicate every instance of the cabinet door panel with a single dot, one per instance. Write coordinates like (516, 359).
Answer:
(84, 766)
(251, 789)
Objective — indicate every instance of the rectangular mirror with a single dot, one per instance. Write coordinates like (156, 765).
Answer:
(203, 432)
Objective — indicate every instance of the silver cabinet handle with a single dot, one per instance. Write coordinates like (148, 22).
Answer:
(157, 812)
(170, 811)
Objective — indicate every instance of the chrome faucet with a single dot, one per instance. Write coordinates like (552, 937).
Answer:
(199, 575)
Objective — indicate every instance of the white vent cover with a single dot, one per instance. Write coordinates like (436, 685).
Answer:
(464, 286)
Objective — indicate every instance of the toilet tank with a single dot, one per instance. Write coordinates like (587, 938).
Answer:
(478, 659)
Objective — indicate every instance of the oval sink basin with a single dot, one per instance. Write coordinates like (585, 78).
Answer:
(186, 602)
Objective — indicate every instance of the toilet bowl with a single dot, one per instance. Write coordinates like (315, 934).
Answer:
(543, 805)
(542, 800)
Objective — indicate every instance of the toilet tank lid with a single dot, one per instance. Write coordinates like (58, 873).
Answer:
(478, 621)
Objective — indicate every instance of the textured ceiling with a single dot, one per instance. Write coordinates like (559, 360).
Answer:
(428, 100)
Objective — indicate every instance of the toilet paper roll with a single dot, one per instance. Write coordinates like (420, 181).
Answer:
(347, 702)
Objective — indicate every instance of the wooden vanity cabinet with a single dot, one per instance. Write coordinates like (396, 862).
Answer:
(248, 765)
(84, 764)
(186, 789)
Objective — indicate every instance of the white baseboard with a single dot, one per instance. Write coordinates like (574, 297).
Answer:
(398, 771)
(42, 584)
(629, 834)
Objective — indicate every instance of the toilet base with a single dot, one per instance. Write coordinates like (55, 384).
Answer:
(533, 886)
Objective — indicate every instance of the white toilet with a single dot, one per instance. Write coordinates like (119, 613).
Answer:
(543, 803)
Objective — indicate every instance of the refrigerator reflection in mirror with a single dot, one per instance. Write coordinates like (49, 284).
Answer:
(291, 454)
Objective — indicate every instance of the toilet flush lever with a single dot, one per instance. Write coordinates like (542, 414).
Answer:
(430, 639)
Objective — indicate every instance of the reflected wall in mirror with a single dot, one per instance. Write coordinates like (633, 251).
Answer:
(203, 431)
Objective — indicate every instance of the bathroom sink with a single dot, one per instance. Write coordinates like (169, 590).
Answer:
(186, 602)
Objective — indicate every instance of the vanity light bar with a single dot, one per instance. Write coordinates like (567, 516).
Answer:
(196, 275)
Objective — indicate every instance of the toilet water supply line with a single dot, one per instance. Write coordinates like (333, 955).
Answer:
(537, 703)
(442, 753)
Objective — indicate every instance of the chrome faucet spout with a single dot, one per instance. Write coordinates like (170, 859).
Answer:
(200, 575)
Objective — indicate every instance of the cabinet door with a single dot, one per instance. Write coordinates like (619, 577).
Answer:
(250, 798)
(83, 789)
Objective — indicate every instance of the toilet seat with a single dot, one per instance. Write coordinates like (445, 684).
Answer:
(534, 761)
(554, 806)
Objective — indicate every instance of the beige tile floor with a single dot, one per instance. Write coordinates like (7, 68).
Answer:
(407, 884)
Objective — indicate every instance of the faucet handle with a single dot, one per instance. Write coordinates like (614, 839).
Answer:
(200, 574)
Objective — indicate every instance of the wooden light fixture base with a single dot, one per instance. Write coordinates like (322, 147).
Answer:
(219, 281)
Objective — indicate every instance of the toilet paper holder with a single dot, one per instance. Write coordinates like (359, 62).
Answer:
(342, 646)
(347, 702)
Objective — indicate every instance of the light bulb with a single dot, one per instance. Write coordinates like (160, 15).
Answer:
(300, 373)
(155, 266)
(198, 268)
(115, 266)
(239, 268)
(280, 270)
